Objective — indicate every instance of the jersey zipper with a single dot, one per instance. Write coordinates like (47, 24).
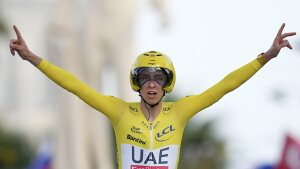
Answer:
(151, 137)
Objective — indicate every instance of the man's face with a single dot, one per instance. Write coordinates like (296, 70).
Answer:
(151, 84)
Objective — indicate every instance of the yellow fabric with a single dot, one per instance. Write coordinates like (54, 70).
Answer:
(261, 59)
(141, 144)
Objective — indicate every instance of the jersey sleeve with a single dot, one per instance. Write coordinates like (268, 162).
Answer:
(210, 96)
(108, 105)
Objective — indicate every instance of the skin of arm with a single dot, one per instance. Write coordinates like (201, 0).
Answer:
(34, 59)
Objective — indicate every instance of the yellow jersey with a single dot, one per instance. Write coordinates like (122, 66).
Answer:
(144, 145)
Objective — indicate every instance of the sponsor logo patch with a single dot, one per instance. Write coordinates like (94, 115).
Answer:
(166, 108)
(162, 136)
(145, 157)
(136, 130)
(156, 124)
(144, 124)
(133, 109)
(134, 157)
(137, 140)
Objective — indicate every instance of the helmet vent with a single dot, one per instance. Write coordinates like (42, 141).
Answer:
(146, 54)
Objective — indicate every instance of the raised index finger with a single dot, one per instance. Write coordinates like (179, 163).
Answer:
(280, 30)
(19, 36)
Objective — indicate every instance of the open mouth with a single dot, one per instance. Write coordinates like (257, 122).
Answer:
(152, 93)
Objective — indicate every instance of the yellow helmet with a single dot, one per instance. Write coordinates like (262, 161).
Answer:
(153, 59)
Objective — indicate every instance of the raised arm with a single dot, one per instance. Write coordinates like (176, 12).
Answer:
(108, 105)
(233, 80)
(241, 75)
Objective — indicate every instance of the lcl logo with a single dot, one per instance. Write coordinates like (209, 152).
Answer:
(165, 131)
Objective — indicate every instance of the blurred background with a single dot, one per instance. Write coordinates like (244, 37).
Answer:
(254, 127)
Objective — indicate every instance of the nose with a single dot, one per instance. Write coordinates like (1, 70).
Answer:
(152, 83)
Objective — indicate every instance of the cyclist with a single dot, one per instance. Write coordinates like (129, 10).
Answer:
(149, 132)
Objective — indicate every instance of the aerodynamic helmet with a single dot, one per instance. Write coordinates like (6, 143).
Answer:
(153, 60)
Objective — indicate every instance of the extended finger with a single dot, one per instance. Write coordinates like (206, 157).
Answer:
(280, 31)
(19, 36)
(288, 34)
